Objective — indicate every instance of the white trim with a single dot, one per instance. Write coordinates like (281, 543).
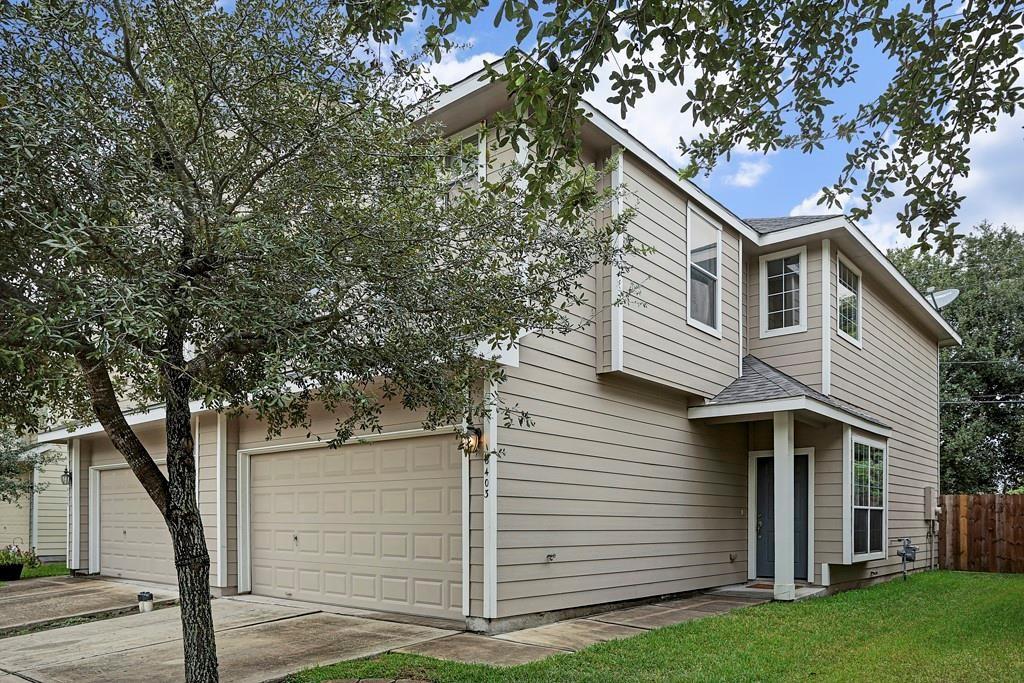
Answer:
(222, 499)
(490, 492)
(847, 495)
(95, 495)
(742, 326)
(75, 467)
(620, 136)
(752, 457)
(783, 438)
(826, 574)
(715, 331)
(883, 443)
(94, 520)
(465, 534)
(244, 531)
(750, 408)
(826, 316)
(763, 292)
(859, 343)
(153, 414)
(842, 222)
(33, 520)
(616, 275)
(623, 138)
(195, 452)
(243, 490)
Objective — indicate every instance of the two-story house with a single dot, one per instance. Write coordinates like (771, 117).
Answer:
(765, 409)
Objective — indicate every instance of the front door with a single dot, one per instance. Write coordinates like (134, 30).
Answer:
(765, 522)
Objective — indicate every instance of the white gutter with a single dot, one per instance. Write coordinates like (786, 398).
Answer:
(808, 403)
(153, 414)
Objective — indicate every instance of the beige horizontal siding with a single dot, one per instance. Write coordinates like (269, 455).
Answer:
(894, 378)
(630, 497)
(658, 344)
(52, 512)
(797, 354)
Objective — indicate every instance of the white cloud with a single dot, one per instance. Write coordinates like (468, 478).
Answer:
(992, 191)
(748, 174)
(451, 69)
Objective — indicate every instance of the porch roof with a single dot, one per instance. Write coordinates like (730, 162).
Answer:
(763, 389)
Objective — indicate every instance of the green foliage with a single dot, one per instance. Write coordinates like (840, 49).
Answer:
(982, 390)
(762, 75)
(17, 460)
(886, 633)
(252, 202)
(13, 554)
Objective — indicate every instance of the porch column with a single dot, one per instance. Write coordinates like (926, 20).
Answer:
(785, 585)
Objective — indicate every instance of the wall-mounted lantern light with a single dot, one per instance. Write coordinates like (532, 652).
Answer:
(471, 440)
(66, 477)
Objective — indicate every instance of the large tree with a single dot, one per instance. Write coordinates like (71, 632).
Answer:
(244, 207)
(764, 75)
(17, 460)
(982, 382)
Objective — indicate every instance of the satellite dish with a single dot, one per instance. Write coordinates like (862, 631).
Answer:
(942, 298)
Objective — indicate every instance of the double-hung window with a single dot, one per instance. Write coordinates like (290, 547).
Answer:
(869, 497)
(704, 285)
(783, 300)
(848, 295)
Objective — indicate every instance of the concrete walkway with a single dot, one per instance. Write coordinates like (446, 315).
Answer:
(255, 642)
(532, 644)
(35, 602)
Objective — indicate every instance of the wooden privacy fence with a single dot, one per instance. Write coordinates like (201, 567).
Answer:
(982, 533)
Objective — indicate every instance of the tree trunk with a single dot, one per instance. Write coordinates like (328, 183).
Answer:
(191, 557)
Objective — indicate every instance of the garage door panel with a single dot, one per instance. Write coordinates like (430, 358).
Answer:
(134, 541)
(375, 526)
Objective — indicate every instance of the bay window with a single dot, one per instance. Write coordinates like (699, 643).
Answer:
(868, 498)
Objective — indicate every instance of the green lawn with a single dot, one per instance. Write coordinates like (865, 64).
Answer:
(939, 626)
(56, 569)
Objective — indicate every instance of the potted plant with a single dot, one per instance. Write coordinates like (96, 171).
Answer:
(13, 559)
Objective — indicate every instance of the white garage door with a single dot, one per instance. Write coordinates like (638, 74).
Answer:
(376, 526)
(134, 541)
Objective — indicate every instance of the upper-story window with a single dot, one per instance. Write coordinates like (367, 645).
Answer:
(704, 244)
(848, 296)
(784, 292)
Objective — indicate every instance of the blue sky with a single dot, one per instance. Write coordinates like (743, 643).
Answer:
(786, 183)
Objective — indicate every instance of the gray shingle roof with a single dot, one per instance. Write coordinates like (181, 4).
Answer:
(767, 225)
(762, 382)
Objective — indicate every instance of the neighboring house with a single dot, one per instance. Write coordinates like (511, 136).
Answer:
(767, 409)
(40, 520)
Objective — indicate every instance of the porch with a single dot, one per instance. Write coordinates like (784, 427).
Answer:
(798, 463)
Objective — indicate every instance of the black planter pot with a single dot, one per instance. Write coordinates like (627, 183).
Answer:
(10, 572)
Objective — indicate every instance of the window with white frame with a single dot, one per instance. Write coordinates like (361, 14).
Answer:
(868, 498)
(784, 292)
(848, 295)
(705, 296)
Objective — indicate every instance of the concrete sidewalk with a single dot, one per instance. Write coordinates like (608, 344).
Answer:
(532, 644)
(255, 642)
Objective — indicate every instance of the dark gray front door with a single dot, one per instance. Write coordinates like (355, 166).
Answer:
(765, 521)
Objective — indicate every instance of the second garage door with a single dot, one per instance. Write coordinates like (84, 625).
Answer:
(376, 526)
(134, 541)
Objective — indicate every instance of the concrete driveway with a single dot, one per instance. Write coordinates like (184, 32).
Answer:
(255, 642)
(35, 602)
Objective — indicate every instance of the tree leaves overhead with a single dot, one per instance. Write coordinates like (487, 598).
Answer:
(763, 75)
(982, 383)
(257, 188)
